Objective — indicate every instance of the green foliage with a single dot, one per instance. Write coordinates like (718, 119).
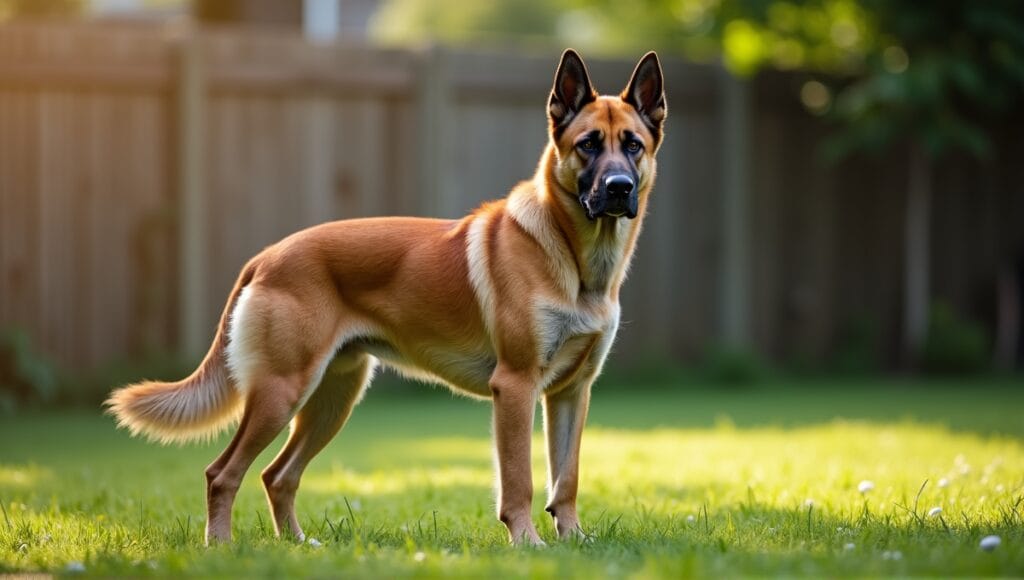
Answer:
(729, 365)
(857, 348)
(26, 376)
(666, 490)
(954, 345)
(93, 387)
(940, 75)
(653, 371)
(747, 34)
(459, 22)
(832, 35)
(40, 8)
(937, 73)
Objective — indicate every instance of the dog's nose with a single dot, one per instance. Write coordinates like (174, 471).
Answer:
(618, 185)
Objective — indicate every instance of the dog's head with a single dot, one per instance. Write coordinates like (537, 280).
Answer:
(605, 145)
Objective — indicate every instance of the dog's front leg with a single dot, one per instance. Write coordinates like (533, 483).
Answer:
(514, 397)
(565, 413)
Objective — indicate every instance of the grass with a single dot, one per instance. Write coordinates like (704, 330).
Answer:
(683, 481)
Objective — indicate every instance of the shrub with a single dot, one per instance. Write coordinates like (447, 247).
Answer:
(857, 346)
(954, 345)
(93, 387)
(733, 365)
(25, 375)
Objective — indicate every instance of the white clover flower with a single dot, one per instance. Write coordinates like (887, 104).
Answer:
(419, 556)
(808, 502)
(690, 519)
(314, 542)
(74, 567)
(865, 486)
(989, 543)
(935, 511)
(943, 482)
(849, 546)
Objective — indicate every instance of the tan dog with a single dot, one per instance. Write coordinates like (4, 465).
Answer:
(515, 302)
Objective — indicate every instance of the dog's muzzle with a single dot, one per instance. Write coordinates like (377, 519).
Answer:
(615, 197)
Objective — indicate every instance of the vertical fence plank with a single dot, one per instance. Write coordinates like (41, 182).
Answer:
(191, 99)
(436, 135)
(318, 147)
(735, 286)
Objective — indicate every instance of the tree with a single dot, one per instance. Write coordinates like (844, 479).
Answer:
(935, 80)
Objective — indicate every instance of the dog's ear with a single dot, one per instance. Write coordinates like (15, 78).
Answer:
(572, 91)
(646, 93)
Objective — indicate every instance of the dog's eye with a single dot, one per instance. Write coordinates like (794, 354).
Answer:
(588, 145)
(633, 147)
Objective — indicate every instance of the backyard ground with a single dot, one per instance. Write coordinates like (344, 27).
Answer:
(688, 480)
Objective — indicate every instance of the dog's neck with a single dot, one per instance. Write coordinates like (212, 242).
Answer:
(591, 256)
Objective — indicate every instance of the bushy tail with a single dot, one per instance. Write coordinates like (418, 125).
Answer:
(197, 407)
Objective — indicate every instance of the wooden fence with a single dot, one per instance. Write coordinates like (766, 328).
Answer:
(140, 167)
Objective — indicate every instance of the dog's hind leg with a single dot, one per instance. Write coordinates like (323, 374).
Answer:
(314, 426)
(277, 351)
(268, 407)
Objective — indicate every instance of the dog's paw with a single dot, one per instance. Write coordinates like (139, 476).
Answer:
(575, 535)
(528, 538)
(530, 543)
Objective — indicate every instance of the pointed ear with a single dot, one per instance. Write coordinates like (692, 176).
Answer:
(646, 93)
(572, 91)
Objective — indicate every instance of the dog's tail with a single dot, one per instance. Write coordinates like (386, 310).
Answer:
(197, 407)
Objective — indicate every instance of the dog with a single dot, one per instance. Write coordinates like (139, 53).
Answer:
(516, 302)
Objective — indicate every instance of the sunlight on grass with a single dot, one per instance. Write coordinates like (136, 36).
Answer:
(11, 477)
(449, 448)
(782, 468)
(394, 481)
(831, 498)
(672, 470)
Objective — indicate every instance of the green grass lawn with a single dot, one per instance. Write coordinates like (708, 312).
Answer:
(688, 480)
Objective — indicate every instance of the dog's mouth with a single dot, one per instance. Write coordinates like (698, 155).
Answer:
(625, 209)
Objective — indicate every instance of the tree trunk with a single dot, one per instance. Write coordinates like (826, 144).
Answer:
(917, 255)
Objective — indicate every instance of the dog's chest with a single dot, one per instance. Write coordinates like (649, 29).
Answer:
(570, 337)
